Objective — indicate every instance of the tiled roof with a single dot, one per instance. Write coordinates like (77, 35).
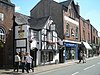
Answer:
(66, 3)
(21, 19)
(38, 23)
(6, 0)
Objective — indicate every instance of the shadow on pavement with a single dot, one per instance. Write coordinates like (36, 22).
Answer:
(11, 73)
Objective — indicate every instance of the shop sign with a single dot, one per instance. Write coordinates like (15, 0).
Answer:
(21, 32)
(70, 45)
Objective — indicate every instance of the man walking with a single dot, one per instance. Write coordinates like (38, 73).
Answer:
(80, 56)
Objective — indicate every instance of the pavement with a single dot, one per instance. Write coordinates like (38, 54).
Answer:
(45, 68)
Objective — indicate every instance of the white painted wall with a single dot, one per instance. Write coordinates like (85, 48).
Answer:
(25, 34)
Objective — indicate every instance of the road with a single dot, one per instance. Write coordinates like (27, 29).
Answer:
(91, 67)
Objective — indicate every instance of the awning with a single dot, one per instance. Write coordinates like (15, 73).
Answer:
(87, 46)
(76, 42)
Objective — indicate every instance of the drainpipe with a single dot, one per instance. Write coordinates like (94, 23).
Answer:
(13, 39)
(79, 29)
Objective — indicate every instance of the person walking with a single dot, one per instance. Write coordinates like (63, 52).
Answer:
(28, 62)
(17, 62)
(23, 61)
(84, 58)
(80, 56)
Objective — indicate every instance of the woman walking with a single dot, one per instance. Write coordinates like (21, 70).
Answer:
(28, 62)
(17, 62)
(23, 61)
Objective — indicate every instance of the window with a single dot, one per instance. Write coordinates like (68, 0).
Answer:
(2, 34)
(70, 12)
(76, 32)
(49, 36)
(67, 29)
(1, 16)
(72, 32)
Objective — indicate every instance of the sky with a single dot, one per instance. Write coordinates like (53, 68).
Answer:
(89, 9)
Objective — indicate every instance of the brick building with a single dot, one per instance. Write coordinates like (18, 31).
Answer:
(6, 25)
(70, 26)
(66, 19)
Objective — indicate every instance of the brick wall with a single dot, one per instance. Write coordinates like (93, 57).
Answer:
(8, 10)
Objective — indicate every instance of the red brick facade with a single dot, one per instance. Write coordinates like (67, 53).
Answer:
(7, 9)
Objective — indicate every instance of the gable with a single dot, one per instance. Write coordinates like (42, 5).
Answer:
(70, 7)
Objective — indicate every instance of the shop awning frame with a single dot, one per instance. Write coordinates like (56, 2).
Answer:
(87, 46)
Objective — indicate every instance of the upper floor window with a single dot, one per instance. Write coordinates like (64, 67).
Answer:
(88, 26)
(72, 32)
(70, 12)
(76, 32)
(1, 16)
(84, 23)
(49, 36)
(67, 29)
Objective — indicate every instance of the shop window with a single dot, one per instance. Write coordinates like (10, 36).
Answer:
(50, 56)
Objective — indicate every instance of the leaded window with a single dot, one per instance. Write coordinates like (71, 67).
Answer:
(2, 33)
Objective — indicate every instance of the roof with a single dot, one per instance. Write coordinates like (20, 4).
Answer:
(6, 0)
(21, 19)
(38, 23)
(66, 3)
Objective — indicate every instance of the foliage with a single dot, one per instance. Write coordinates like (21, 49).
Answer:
(1, 44)
(99, 41)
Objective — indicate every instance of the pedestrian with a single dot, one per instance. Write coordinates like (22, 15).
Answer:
(28, 62)
(80, 56)
(23, 57)
(84, 58)
(17, 62)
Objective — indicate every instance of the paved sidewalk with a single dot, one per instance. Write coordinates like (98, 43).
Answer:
(43, 68)
(56, 66)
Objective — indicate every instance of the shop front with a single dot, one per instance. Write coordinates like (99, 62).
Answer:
(71, 50)
(87, 49)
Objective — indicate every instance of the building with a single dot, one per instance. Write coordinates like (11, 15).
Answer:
(72, 27)
(6, 35)
(38, 33)
(66, 18)
(88, 35)
(38, 37)
(43, 40)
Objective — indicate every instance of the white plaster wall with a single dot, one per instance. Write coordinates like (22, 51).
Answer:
(38, 58)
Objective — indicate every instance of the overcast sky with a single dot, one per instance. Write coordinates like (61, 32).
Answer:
(89, 9)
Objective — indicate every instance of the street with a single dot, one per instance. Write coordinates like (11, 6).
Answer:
(92, 67)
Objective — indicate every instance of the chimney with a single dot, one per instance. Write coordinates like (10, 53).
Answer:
(88, 20)
(77, 8)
